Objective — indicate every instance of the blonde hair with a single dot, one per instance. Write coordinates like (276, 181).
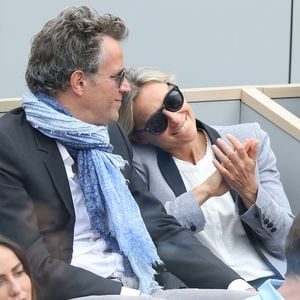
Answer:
(138, 77)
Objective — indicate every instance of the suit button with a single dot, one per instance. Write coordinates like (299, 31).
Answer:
(270, 225)
(193, 227)
(266, 221)
(273, 229)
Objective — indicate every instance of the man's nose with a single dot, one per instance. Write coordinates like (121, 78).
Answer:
(125, 86)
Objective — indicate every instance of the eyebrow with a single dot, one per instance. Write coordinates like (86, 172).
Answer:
(19, 264)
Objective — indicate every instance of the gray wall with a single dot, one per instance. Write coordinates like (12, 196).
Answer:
(205, 43)
(291, 104)
(295, 70)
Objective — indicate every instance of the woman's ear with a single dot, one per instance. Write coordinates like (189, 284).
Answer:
(78, 82)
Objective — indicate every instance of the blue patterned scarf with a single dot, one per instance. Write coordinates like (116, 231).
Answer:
(113, 212)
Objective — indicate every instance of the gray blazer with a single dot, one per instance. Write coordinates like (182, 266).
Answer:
(266, 223)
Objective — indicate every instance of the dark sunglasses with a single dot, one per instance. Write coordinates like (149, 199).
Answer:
(158, 122)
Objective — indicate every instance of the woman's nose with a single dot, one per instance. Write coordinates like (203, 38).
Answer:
(14, 288)
(174, 118)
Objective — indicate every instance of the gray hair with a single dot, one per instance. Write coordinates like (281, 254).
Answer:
(70, 42)
(138, 77)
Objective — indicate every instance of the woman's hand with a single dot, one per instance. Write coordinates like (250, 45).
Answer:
(237, 166)
(214, 185)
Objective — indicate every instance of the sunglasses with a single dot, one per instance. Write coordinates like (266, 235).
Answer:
(118, 78)
(158, 122)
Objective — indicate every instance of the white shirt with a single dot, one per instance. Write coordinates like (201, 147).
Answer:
(223, 233)
(90, 251)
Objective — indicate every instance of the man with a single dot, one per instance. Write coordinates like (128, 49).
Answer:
(62, 195)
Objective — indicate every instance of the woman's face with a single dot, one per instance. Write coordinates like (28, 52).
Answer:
(14, 282)
(181, 127)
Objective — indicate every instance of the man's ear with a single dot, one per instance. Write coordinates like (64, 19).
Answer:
(78, 82)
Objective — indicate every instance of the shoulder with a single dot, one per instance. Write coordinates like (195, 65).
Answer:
(241, 131)
(12, 119)
(15, 127)
(144, 154)
(142, 150)
(120, 142)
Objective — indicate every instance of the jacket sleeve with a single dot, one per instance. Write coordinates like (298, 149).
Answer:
(270, 218)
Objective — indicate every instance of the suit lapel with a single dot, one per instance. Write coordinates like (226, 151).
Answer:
(56, 168)
(170, 172)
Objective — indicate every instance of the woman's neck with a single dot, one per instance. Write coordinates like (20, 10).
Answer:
(193, 151)
(290, 289)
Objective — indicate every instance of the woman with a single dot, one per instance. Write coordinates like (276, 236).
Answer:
(15, 276)
(220, 182)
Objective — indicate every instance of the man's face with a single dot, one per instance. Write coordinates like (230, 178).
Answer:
(101, 100)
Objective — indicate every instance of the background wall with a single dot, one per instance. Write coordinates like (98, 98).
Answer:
(295, 66)
(203, 42)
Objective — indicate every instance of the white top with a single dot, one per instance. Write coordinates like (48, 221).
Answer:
(223, 233)
(90, 252)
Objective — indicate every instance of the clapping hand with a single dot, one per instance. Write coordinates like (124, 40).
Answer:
(236, 164)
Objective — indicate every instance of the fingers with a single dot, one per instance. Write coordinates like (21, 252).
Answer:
(249, 146)
(227, 154)
(252, 153)
(236, 156)
(238, 146)
(221, 167)
(236, 163)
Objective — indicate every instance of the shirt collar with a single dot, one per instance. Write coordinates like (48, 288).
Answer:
(67, 160)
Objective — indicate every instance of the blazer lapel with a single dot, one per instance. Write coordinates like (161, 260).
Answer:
(56, 169)
(170, 172)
